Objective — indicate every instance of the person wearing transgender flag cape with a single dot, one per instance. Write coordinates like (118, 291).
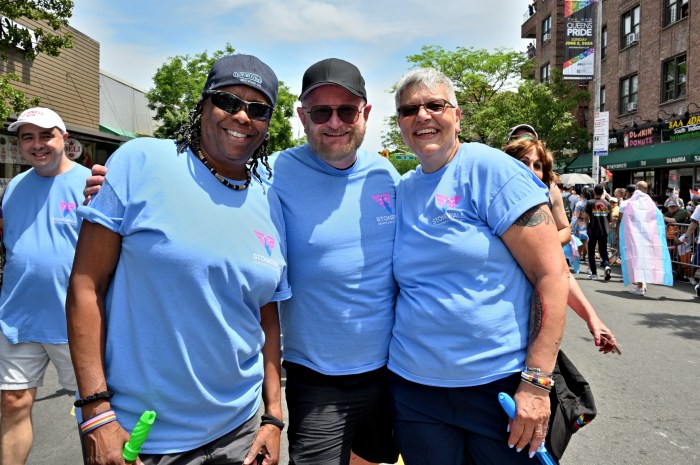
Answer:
(643, 251)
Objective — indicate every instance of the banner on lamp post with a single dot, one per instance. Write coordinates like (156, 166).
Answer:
(579, 50)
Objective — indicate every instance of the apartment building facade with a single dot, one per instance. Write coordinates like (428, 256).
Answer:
(649, 85)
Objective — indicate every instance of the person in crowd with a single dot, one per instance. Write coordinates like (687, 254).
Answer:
(642, 237)
(40, 233)
(692, 236)
(675, 214)
(578, 222)
(534, 154)
(172, 303)
(461, 336)
(338, 324)
(573, 199)
(597, 218)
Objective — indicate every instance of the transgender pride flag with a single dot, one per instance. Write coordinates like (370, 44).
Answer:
(643, 248)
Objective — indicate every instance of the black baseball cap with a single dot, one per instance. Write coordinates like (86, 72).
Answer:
(333, 71)
(244, 70)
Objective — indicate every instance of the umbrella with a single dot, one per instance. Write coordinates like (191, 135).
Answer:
(570, 179)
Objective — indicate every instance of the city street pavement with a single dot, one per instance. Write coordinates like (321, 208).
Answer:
(647, 398)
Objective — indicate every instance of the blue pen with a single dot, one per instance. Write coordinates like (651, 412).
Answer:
(508, 405)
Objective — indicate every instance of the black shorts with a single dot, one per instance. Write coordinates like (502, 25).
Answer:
(331, 415)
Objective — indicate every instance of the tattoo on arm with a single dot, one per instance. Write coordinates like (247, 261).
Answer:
(535, 216)
(536, 316)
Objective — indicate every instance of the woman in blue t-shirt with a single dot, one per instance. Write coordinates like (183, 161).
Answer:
(477, 312)
(172, 304)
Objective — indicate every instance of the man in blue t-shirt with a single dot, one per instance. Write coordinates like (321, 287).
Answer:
(339, 206)
(40, 234)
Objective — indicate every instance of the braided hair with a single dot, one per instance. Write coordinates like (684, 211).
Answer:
(189, 136)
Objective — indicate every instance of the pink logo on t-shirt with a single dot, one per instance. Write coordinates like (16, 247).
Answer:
(384, 200)
(67, 207)
(267, 241)
(444, 202)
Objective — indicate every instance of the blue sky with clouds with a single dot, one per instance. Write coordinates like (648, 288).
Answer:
(136, 37)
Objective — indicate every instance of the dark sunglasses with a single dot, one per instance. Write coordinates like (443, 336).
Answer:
(320, 114)
(434, 106)
(232, 104)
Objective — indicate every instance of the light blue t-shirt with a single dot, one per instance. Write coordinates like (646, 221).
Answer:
(40, 232)
(197, 262)
(463, 307)
(340, 234)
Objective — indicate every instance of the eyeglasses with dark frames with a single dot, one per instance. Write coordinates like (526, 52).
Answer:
(434, 106)
(232, 104)
(320, 114)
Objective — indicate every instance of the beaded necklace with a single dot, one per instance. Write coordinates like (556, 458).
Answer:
(223, 180)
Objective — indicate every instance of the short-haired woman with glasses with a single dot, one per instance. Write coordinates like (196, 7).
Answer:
(172, 304)
(477, 312)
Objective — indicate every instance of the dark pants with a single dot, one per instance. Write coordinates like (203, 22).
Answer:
(602, 243)
(329, 416)
(455, 426)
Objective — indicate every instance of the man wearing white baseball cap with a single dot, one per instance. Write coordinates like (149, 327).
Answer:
(40, 234)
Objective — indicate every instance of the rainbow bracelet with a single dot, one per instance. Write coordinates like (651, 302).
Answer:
(538, 380)
(98, 420)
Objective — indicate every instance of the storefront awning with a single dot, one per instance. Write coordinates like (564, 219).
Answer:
(118, 132)
(685, 152)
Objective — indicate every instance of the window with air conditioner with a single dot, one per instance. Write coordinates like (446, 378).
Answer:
(674, 75)
(630, 25)
(547, 29)
(675, 10)
(629, 88)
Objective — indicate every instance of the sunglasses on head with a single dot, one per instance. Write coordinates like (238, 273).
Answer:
(232, 104)
(434, 106)
(320, 114)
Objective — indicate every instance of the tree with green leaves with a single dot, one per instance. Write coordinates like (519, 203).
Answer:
(493, 97)
(178, 85)
(48, 39)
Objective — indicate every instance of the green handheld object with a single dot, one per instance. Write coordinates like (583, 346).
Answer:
(138, 436)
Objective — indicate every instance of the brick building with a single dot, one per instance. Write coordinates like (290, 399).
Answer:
(649, 84)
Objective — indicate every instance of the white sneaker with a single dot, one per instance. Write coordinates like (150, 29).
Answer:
(693, 281)
(592, 276)
(697, 291)
(638, 291)
(607, 273)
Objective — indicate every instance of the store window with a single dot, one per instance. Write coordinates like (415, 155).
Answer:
(630, 27)
(674, 73)
(629, 87)
(675, 10)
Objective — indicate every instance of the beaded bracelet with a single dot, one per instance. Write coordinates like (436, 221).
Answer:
(538, 380)
(98, 420)
(267, 419)
(94, 397)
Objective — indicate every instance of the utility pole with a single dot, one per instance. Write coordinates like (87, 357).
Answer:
(596, 81)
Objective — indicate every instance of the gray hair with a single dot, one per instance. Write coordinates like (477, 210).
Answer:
(429, 78)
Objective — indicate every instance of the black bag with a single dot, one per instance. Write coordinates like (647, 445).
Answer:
(572, 403)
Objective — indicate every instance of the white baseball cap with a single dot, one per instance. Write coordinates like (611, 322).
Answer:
(42, 117)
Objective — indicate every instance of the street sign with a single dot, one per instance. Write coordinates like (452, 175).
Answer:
(600, 133)
(405, 157)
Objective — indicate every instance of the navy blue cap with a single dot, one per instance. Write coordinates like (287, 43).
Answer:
(243, 70)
